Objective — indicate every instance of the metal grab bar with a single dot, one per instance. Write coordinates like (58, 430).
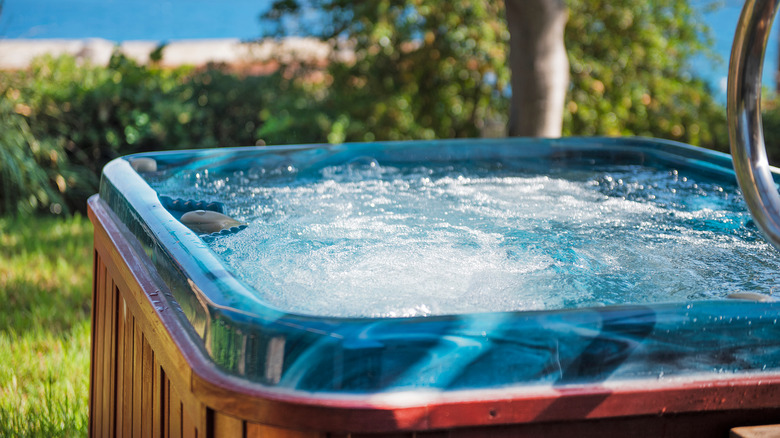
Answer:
(746, 133)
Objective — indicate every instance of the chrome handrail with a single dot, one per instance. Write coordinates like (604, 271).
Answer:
(746, 133)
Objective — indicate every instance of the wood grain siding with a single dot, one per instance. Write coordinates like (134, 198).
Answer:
(131, 394)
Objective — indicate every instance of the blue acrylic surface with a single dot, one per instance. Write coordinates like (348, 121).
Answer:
(264, 342)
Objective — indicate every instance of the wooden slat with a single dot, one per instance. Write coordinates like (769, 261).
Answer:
(127, 399)
(97, 360)
(112, 340)
(158, 395)
(137, 377)
(227, 426)
(175, 419)
(119, 392)
(254, 430)
(166, 406)
(93, 351)
(102, 359)
(189, 426)
(108, 361)
(147, 390)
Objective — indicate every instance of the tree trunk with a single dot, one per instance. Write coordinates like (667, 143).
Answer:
(540, 67)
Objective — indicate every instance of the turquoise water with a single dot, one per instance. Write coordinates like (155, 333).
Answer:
(382, 240)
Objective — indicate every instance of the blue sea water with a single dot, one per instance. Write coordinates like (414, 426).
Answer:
(166, 20)
(125, 20)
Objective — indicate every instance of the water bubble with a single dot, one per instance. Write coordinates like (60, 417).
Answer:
(363, 168)
(256, 173)
(285, 168)
(363, 163)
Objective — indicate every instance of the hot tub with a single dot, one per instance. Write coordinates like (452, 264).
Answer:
(187, 344)
(601, 318)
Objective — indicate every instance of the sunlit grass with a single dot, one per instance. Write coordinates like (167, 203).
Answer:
(45, 285)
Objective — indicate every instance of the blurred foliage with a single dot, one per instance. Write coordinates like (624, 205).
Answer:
(423, 69)
(398, 70)
(61, 121)
(770, 112)
(631, 73)
(34, 173)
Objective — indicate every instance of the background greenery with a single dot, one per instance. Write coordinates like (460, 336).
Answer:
(421, 69)
(62, 120)
(417, 69)
(632, 75)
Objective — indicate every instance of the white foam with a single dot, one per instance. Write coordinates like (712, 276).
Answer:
(379, 241)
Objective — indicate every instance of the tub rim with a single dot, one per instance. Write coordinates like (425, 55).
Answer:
(176, 242)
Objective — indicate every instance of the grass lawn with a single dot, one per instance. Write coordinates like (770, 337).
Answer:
(45, 286)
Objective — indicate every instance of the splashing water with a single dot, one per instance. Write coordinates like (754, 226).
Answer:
(365, 239)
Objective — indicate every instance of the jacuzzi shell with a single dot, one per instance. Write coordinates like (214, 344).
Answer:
(183, 348)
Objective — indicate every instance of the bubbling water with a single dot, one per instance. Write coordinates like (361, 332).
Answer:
(371, 240)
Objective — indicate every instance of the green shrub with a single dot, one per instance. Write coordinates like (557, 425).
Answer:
(771, 122)
(632, 75)
(421, 70)
(425, 70)
(70, 119)
(35, 173)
